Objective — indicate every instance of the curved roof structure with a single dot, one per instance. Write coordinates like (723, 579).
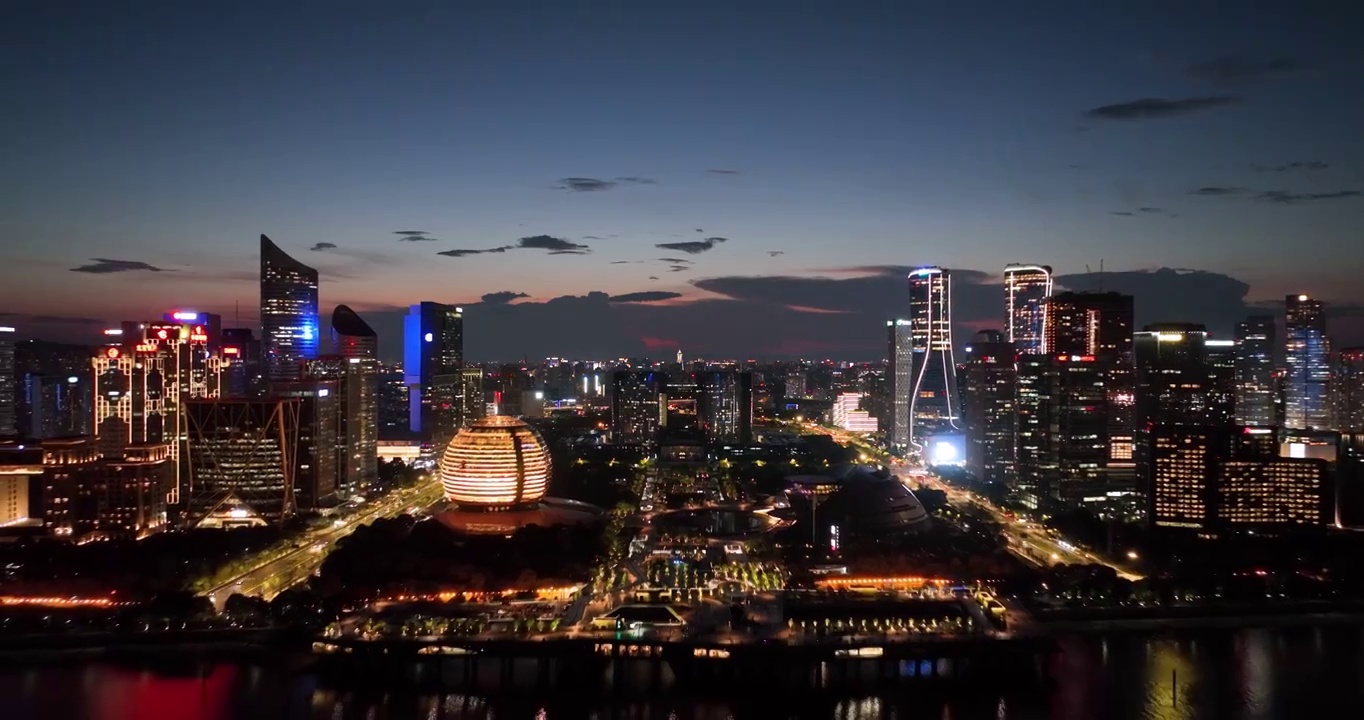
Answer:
(346, 321)
(288, 311)
(497, 462)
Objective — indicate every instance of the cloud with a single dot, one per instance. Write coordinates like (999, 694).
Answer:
(1284, 197)
(1119, 212)
(465, 253)
(621, 262)
(1305, 165)
(774, 253)
(503, 297)
(414, 236)
(1153, 108)
(700, 230)
(722, 171)
(1149, 209)
(555, 246)
(1218, 190)
(582, 184)
(1229, 69)
(104, 266)
(318, 247)
(645, 296)
(693, 247)
(679, 268)
(653, 277)
(549, 242)
(675, 260)
(410, 232)
(637, 180)
(592, 237)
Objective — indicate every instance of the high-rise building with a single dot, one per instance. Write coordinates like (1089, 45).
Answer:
(55, 391)
(1172, 373)
(1309, 368)
(474, 407)
(1099, 325)
(1184, 460)
(1221, 405)
(1347, 390)
(1272, 494)
(245, 377)
(900, 380)
(8, 382)
(393, 404)
(243, 449)
(638, 405)
(988, 410)
(356, 343)
(433, 363)
(724, 405)
(288, 312)
(933, 404)
(1255, 371)
(1026, 289)
(316, 472)
(846, 413)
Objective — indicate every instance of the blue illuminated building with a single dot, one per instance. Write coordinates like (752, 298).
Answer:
(1309, 368)
(433, 366)
(288, 312)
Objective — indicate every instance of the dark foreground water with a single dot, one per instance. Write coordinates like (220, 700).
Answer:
(1313, 673)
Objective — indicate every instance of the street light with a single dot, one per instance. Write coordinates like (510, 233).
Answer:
(1131, 554)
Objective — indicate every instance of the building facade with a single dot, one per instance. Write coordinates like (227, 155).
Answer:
(1307, 352)
(1347, 391)
(638, 406)
(288, 312)
(988, 408)
(1255, 343)
(245, 450)
(357, 345)
(933, 401)
(1026, 289)
(433, 366)
(724, 405)
(900, 381)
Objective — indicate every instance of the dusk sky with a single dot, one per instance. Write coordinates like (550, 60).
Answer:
(791, 160)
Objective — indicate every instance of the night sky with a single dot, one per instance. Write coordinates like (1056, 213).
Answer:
(639, 176)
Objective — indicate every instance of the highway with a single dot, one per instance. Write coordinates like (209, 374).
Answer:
(268, 579)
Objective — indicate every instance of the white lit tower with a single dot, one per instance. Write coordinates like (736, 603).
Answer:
(1026, 289)
(932, 406)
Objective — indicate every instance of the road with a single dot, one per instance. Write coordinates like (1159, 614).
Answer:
(1030, 541)
(268, 579)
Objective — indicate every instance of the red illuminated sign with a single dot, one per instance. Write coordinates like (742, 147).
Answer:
(111, 352)
(161, 334)
(198, 334)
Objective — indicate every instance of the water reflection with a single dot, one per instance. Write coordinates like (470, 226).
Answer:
(1310, 673)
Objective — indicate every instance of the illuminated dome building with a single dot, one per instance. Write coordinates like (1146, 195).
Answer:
(495, 473)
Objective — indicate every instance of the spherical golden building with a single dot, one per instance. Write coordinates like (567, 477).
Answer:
(497, 462)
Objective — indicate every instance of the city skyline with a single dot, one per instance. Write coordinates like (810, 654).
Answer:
(772, 224)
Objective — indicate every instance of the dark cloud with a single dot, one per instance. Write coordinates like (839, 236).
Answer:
(1305, 165)
(549, 242)
(592, 237)
(569, 252)
(414, 236)
(637, 180)
(1229, 69)
(722, 171)
(676, 261)
(1153, 108)
(1284, 197)
(774, 253)
(621, 262)
(679, 268)
(582, 184)
(1119, 212)
(104, 266)
(693, 247)
(503, 297)
(465, 253)
(645, 296)
(1149, 209)
(653, 277)
(1218, 190)
(700, 230)
(318, 247)
(410, 232)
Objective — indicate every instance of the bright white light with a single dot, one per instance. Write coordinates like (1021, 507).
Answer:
(943, 452)
(324, 392)
(185, 315)
(238, 514)
(6, 328)
(73, 379)
(113, 331)
(429, 337)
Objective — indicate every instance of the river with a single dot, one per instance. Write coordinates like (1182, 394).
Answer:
(1313, 673)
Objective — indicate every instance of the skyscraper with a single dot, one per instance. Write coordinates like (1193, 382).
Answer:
(1309, 369)
(900, 379)
(932, 405)
(1255, 371)
(724, 405)
(1026, 289)
(8, 382)
(433, 365)
(988, 409)
(474, 407)
(357, 344)
(637, 405)
(1221, 382)
(1347, 391)
(1099, 325)
(288, 312)
(1172, 374)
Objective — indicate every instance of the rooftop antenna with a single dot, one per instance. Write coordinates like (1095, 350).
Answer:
(1101, 274)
